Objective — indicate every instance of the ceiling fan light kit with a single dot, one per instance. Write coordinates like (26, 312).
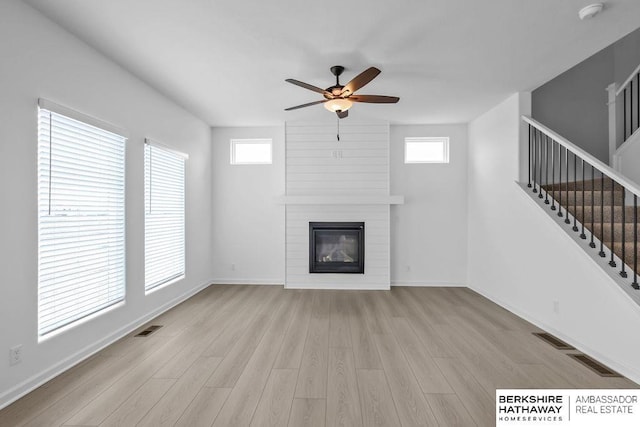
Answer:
(338, 98)
(338, 104)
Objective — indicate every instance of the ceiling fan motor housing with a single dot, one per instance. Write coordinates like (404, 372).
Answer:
(337, 70)
(337, 89)
(333, 91)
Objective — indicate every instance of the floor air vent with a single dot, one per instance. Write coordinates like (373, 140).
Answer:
(551, 340)
(594, 365)
(148, 331)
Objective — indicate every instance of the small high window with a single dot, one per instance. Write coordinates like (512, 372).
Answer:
(426, 150)
(251, 151)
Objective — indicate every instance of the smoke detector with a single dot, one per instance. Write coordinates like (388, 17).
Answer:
(590, 11)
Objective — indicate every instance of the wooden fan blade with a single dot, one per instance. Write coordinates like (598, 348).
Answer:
(307, 86)
(375, 99)
(342, 114)
(306, 105)
(360, 80)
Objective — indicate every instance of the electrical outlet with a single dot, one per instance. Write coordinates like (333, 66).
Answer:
(556, 307)
(15, 355)
(233, 267)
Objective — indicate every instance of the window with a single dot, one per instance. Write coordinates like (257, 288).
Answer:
(426, 150)
(81, 240)
(250, 151)
(164, 229)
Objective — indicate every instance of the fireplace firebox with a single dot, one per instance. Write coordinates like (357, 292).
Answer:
(336, 247)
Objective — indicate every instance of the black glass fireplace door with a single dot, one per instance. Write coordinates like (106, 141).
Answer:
(336, 247)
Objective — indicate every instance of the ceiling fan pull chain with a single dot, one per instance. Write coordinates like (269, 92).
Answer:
(338, 124)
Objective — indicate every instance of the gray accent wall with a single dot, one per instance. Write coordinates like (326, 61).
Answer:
(626, 56)
(574, 104)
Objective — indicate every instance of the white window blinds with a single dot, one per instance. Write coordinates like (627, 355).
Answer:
(81, 231)
(164, 229)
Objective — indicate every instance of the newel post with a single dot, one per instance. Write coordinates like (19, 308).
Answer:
(613, 137)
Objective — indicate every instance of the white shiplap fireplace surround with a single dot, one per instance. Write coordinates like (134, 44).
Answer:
(344, 180)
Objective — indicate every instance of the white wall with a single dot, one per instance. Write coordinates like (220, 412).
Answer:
(247, 222)
(39, 59)
(318, 164)
(429, 231)
(520, 258)
(626, 158)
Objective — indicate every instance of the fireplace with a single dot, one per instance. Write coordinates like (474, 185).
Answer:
(336, 247)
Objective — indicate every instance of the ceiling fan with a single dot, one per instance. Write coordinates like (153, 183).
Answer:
(339, 98)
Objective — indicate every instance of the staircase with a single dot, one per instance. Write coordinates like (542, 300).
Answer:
(597, 203)
(593, 203)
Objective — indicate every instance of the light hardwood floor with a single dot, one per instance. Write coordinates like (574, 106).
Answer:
(265, 356)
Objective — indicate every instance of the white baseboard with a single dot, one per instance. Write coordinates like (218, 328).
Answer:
(268, 282)
(418, 284)
(421, 284)
(338, 286)
(37, 380)
(623, 369)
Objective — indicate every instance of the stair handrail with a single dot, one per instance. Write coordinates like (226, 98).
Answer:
(628, 80)
(544, 144)
(588, 158)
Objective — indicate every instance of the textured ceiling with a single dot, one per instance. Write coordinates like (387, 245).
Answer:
(448, 60)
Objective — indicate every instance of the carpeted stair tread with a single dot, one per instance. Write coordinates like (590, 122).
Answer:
(588, 185)
(576, 198)
(628, 254)
(579, 202)
(617, 213)
(617, 230)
